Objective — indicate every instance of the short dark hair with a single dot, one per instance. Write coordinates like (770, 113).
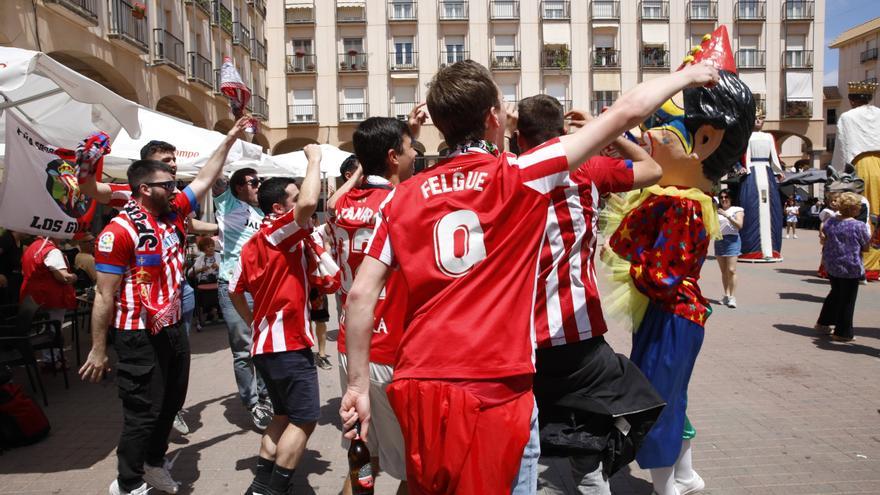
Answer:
(373, 138)
(273, 191)
(728, 105)
(459, 96)
(141, 171)
(349, 165)
(860, 99)
(541, 118)
(156, 147)
(238, 178)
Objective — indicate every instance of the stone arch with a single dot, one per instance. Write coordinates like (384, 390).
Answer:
(291, 144)
(262, 141)
(223, 126)
(97, 70)
(180, 107)
(419, 147)
(347, 146)
(792, 147)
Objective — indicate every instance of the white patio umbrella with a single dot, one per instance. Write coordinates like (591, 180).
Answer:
(295, 162)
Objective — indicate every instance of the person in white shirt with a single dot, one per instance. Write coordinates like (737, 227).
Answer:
(792, 211)
(729, 247)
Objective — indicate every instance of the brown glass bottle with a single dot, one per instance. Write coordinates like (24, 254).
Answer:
(360, 471)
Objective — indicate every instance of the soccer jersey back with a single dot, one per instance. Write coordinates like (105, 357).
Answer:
(353, 224)
(466, 235)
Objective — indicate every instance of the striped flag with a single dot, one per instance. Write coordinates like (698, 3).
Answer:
(233, 87)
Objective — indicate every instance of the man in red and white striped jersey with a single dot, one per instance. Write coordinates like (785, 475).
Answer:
(273, 269)
(466, 235)
(572, 356)
(139, 260)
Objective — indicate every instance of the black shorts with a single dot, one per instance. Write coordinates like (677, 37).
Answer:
(292, 382)
(320, 307)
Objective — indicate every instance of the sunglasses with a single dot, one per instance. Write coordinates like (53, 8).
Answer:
(254, 182)
(168, 185)
(724, 197)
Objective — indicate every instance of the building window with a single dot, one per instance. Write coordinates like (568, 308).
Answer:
(303, 108)
(403, 52)
(831, 116)
(353, 106)
(454, 50)
(508, 92)
(830, 140)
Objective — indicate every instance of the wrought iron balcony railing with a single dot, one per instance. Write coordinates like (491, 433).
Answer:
(751, 59)
(452, 10)
(352, 62)
(750, 10)
(603, 9)
(168, 49)
(503, 9)
(302, 113)
(555, 10)
(505, 60)
(798, 59)
(87, 9)
(403, 61)
(126, 27)
(353, 112)
(798, 10)
(200, 69)
(402, 11)
(606, 58)
(702, 10)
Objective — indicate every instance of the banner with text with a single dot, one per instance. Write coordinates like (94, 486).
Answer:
(40, 193)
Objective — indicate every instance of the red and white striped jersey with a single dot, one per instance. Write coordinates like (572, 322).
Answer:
(567, 305)
(119, 195)
(466, 235)
(116, 253)
(353, 224)
(273, 268)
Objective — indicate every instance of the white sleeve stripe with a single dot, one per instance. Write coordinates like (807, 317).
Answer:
(284, 232)
(547, 183)
(236, 274)
(128, 228)
(546, 153)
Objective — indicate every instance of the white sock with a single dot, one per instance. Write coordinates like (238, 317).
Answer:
(664, 481)
(684, 466)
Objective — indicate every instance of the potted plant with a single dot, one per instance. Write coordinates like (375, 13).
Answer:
(138, 10)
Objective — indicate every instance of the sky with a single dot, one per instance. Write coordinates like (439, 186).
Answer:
(841, 15)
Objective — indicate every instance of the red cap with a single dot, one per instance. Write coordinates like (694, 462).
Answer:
(715, 47)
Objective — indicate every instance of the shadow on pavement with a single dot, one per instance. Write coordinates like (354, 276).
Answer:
(797, 296)
(330, 413)
(827, 344)
(209, 340)
(235, 412)
(186, 467)
(802, 273)
(624, 482)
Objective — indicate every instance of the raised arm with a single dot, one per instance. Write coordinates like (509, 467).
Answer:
(352, 181)
(310, 191)
(416, 118)
(100, 191)
(631, 109)
(211, 171)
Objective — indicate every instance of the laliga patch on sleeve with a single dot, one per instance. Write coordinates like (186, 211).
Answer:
(105, 242)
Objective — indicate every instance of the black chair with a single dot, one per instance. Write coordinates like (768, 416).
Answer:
(38, 328)
(18, 336)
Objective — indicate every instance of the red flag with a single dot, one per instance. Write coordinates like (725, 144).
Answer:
(233, 87)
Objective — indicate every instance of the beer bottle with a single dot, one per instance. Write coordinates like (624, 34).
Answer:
(360, 471)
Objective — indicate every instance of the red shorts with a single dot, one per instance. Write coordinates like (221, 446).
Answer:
(453, 444)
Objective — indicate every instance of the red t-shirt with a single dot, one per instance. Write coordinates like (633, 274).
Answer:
(567, 305)
(353, 224)
(466, 235)
(273, 268)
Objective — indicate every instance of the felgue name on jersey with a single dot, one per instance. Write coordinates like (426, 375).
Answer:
(456, 181)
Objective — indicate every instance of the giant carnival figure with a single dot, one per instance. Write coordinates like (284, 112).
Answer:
(660, 240)
(761, 233)
(858, 142)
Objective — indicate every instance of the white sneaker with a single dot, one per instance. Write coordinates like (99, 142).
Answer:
(692, 485)
(795, 236)
(731, 302)
(179, 424)
(141, 490)
(787, 237)
(160, 478)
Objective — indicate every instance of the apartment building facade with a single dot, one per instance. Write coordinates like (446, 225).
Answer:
(333, 63)
(163, 54)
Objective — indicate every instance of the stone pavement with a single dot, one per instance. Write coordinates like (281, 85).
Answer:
(778, 410)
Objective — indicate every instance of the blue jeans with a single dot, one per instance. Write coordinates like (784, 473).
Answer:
(188, 305)
(250, 385)
(526, 482)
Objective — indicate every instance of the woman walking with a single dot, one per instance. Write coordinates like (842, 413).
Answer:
(791, 217)
(845, 239)
(729, 247)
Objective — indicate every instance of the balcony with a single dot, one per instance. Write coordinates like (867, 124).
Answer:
(217, 81)
(597, 106)
(402, 11)
(260, 107)
(352, 62)
(258, 51)
(654, 58)
(353, 112)
(798, 11)
(503, 10)
(301, 63)
(555, 10)
(300, 13)
(702, 10)
(451, 57)
(869, 54)
(797, 109)
(603, 10)
(403, 61)
(798, 59)
(750, 11)
(87, 9)
(126, 27)
(505, 60)
(302, 114)
(606, 58)
(556, 59)
(401, 109)
(751, 59)
(452, 10)
(351, 13)
(200, 69)
(870, 80)
(222, 17)
(259, 6)
(203, 5)
(651, 10)
(241, 36)
(760, 103)
(168, 50)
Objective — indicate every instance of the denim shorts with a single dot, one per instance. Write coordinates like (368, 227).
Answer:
(292, 382)
(730, 245)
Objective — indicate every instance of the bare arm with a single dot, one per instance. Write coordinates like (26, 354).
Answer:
(197, 226)
(64, 276)
(239, 302)
(102, 310)
(416, 118)
(352, 181)
(307, 201)
(208, 174)
(100, 191)
(359, 308)
(736, 219)
(630, 110)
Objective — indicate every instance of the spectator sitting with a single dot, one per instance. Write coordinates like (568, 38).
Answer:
(204, 271)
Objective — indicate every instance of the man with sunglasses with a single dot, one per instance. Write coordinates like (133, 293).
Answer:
(239, 218)
(139, 259)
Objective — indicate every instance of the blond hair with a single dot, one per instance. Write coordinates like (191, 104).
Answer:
(849, 204)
